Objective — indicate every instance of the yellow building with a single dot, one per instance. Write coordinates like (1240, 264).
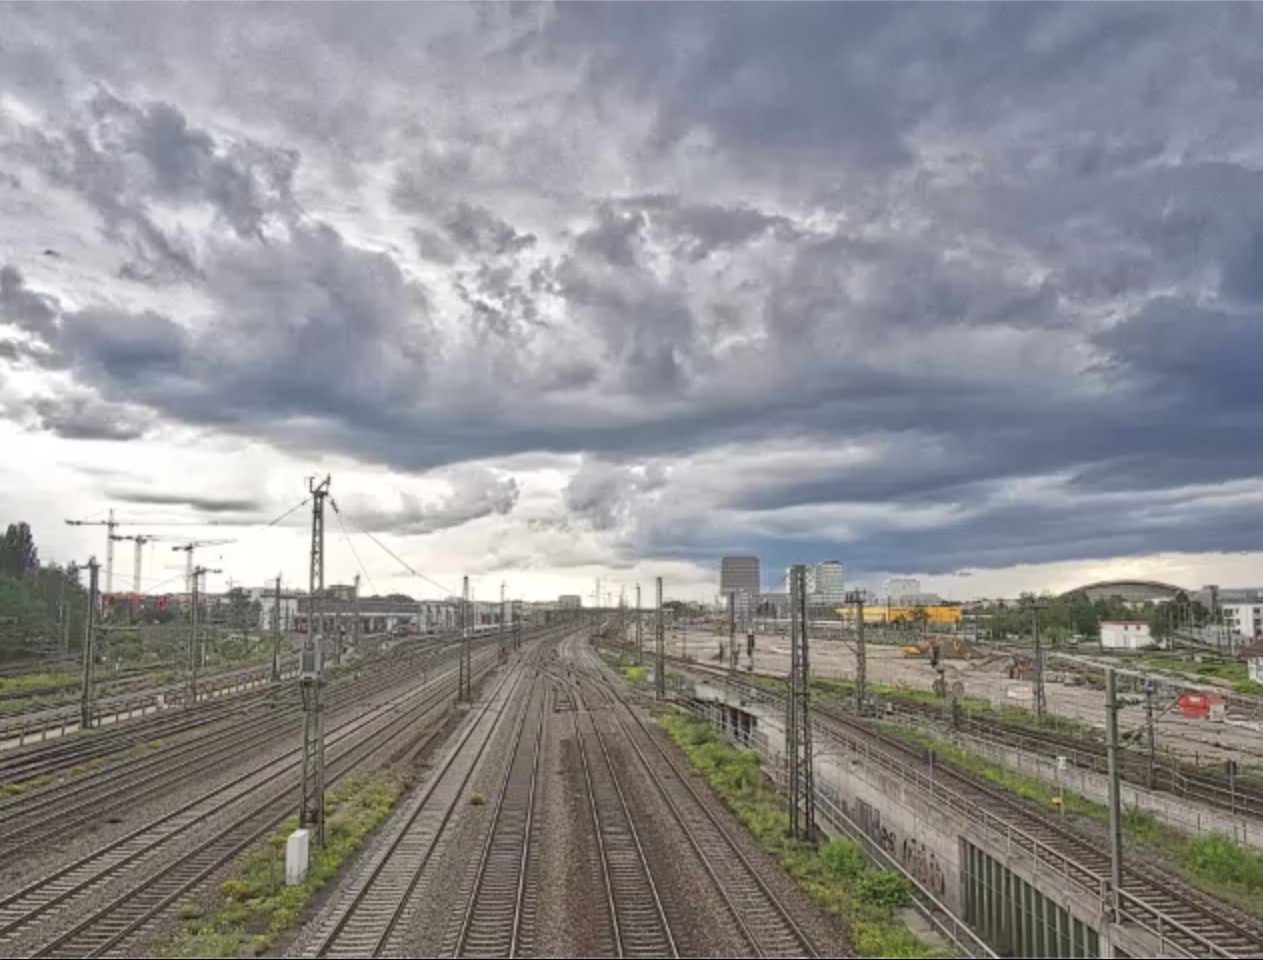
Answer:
(880, 613)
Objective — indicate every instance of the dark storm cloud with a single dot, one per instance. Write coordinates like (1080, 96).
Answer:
(22, 307)
(473, 494)
(479, 230)
(202, 504)
(1025, 236)
(124, 157)
(703, 228)
(769, 85)
(81, 418)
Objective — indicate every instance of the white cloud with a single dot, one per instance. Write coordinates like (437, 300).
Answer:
(559, 292)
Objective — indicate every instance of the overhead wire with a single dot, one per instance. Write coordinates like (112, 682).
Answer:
(398, 559)
(298, 506)
(350, 543)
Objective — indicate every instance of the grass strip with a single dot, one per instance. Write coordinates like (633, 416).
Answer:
(1210, 862)
(254, 906)
(837, 875)
(15, 788)
(36, 681)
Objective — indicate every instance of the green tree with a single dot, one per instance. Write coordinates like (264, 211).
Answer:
(921, 616)
(1160, 622)
(243, 613)
(17, 551)
(40, 605)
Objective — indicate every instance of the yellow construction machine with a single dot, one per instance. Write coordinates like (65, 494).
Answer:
(948, 647)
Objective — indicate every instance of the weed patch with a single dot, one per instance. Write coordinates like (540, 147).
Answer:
(255, 906)
(1213, 863)
(837, 875)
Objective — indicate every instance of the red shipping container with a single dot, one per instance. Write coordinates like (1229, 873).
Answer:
(1197, 705)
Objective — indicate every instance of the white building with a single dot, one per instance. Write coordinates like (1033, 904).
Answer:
(266, 599)
(1244, 619)
(570, 601)
(825, 583)
(1254, 662)
(1125, 635)
(899, 589)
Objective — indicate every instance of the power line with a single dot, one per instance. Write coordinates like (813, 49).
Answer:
(355, 553)
(404, 563)
(298, 506)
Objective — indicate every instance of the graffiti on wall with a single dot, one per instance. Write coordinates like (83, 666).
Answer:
(922, 862)
(917, 857)
(870, 822)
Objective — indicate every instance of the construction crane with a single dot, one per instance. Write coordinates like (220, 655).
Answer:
(140, 540)
(111, 524)
(188, 549)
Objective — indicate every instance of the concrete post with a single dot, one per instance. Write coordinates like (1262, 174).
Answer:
(1115, 799)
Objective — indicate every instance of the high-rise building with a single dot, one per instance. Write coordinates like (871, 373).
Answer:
(900, 588)
(825, 583)
(569, 601)
(740, 574)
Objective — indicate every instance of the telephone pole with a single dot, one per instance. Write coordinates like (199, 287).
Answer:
(856, 597)
(63, 622)
(1039, 703)
(1115, 800)
(504, 626)
(355, 610)
(660, 660)
(197, 648)
(110, 526)
(1150, 739)
(732, 630)
(802, 794)
(193, 644)
(311, 812)
(88, 692)
(462, 693)
(640, 639)
(276, 632)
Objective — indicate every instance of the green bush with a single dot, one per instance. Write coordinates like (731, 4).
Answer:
(881, 888)
(256, 897)
(843, 858)
(836, 876)
(1219, 858)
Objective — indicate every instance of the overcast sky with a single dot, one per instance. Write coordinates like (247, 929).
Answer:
(971, 292)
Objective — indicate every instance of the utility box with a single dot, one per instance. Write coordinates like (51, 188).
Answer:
(297, 849)
(310, 664)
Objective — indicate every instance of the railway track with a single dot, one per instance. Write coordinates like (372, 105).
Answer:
(247, 808)
(55, 717)
(1241, 797)
(46, 759)
(1163, 904)
(22, 668)
(56, 811)
(42, 759)
(1179, 915)
(37, 818)
(372, 904)
(638, 920)
(760, 916)
(499, 917)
